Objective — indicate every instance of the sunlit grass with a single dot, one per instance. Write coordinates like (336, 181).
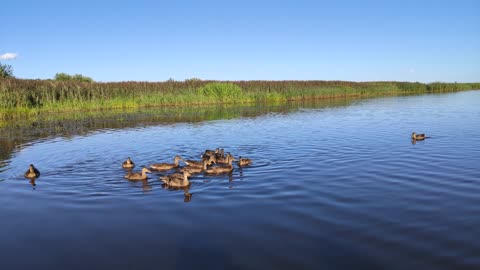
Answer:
(30, 97)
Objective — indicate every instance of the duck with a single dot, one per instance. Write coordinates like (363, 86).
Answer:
(199, 164)
(228, 168)
(176, 179)
(128, 164)
(138, 175)
(209, 153)
(32, 172)
(244, 161)
(418, 137)
(220, 154)
(194, 168)
(166, 166)
(223, 159)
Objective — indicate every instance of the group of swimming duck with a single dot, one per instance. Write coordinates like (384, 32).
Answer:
(223, 165)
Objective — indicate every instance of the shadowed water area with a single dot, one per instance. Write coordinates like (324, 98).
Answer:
(335, 184)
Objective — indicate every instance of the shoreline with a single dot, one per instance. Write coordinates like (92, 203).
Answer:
(24, 98)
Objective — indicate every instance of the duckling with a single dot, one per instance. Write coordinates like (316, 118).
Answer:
(244, 161)
(176, 179)
(223, 159)
(199, 164)
(128, 164)
(418, 137)
(220, 169)
(32, 172)
(166, 166)
(138, 176)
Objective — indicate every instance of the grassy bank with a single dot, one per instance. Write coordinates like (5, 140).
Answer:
(20, 97)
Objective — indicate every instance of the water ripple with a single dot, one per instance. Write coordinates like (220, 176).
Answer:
(331, 182)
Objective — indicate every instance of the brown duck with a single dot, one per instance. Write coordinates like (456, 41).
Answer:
(166, 166)
(220, 169)
(220, 154)
(176, 179)
(224, 159)
(244, 161)
(211, 152)
(32, 172)
(138, 175)
(215, 153)
(199, 164)
(194, 168)
(128, 164)
(418, 137)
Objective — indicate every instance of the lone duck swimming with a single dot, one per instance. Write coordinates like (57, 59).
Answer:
(32, 172)
(128, 164)
(244, 161)
(418, 137)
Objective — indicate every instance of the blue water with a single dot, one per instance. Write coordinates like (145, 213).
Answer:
(330, 188)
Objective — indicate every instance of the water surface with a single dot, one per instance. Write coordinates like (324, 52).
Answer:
(332, 186)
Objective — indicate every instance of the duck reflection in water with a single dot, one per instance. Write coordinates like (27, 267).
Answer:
(32, 182)
(146, 187)
(415, 141)
(187, 196)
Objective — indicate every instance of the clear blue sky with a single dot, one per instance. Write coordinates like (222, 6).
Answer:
(244, 40)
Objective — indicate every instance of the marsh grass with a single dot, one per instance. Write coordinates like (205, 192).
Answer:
(20, 97)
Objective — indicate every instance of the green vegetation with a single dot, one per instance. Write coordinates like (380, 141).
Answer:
(72, 78)
(6, 71)
(223, 92)
(20, 97)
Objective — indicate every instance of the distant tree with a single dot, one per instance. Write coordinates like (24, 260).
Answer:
(193, 80)
(74, 78)
(6, 71)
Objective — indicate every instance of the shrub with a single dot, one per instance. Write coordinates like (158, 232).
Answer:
(74, 78)
(221, 91)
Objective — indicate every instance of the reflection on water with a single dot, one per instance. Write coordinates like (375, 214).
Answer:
(186, 191)
(32, 182)
(332, 186)
(21, 131)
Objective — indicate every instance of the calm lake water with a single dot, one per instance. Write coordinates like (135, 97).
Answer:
(334, 185)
